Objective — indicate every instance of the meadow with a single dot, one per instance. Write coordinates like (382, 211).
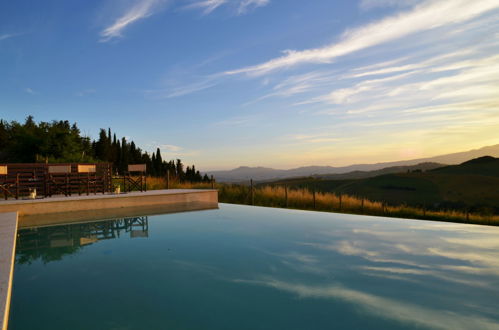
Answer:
(307, 199)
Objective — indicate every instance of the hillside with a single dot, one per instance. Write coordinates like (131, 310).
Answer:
(245, 173)
(472, 184)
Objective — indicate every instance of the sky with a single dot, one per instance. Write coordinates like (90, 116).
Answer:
(275, 83)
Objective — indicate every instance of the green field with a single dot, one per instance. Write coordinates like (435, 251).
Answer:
(472, 185)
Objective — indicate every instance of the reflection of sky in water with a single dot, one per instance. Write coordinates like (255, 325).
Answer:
(269, 268)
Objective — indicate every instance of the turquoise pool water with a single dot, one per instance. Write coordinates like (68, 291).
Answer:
(242, 267)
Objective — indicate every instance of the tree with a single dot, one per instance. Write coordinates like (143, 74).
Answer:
(61, 141)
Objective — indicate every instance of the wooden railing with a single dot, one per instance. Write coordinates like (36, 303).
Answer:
(18, 180)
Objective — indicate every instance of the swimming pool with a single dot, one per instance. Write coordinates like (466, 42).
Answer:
(242, 267)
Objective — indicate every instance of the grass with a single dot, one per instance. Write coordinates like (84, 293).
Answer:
(305, 199)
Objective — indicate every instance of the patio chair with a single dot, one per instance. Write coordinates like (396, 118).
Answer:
(135, 178)
(59, 179)
(87, 177)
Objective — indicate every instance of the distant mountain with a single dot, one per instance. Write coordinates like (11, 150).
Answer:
(245, 173)
(387, 170)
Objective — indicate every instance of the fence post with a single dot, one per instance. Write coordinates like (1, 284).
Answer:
(251, 192)
(340, 202)
(167, 179)
(313, 194)
(286, 194)
(362, 205)
(467, 215)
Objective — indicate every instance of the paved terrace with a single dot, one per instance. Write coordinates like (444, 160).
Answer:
(8, 233)
(55, 210)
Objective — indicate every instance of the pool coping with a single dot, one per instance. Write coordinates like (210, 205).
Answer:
(60, 204)
(8, 233)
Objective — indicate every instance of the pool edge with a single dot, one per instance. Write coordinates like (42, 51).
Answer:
(8, 232)
(109, 201)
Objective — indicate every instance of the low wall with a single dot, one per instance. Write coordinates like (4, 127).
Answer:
(110, 201)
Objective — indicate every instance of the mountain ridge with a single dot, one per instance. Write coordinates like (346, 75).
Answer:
(260, 173)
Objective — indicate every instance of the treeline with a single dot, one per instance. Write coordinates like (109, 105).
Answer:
(62, 142)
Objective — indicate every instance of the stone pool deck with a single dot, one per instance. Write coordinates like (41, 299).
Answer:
(8, 233)
(25, 213)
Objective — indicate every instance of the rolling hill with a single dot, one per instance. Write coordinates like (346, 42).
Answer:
(245, 173)
(473, 184)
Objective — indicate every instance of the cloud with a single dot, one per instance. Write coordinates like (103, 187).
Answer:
(246, 5)
(430, 15)
(206, 5)
(170, 147)
(31, 91)
(370, 4)
(242, 6)
(6, 36)
(141, 10)
(86, 92)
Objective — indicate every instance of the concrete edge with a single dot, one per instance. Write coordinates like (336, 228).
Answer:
(82, 203)
(101, 196)
(8, 293)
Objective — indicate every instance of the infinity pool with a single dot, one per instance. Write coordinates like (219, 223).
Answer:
(242, 267)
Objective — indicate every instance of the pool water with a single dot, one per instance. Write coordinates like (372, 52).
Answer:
(242, 267)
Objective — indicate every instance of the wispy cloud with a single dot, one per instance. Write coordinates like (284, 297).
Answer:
(141, 10)
(207, 6)
(31, 91)
(183, 89)
(6, 36)
(170, 147)
(370, 4)
(246, 5)
(86, 92)
(242, 6)
(427, 16)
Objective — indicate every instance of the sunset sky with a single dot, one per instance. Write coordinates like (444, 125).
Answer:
(278, 83)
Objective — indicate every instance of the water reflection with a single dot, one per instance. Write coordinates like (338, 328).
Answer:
(287, 269)
(53, 243)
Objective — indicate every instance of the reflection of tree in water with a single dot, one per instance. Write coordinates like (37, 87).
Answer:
(53, 243)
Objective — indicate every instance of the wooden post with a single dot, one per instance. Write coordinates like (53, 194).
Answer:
(467, 215)
(212, 182)
(340, 202)
(17, 187)
(167, 179)
(313, 194)
(252, 193)
(286, 194)
(68, 191)
(362, 205)
(88, 183)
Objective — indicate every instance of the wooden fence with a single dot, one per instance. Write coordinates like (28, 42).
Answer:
(17, 180)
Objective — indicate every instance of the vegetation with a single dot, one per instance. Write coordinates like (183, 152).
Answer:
(62, 142)
(306, 199)
(468, 187)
